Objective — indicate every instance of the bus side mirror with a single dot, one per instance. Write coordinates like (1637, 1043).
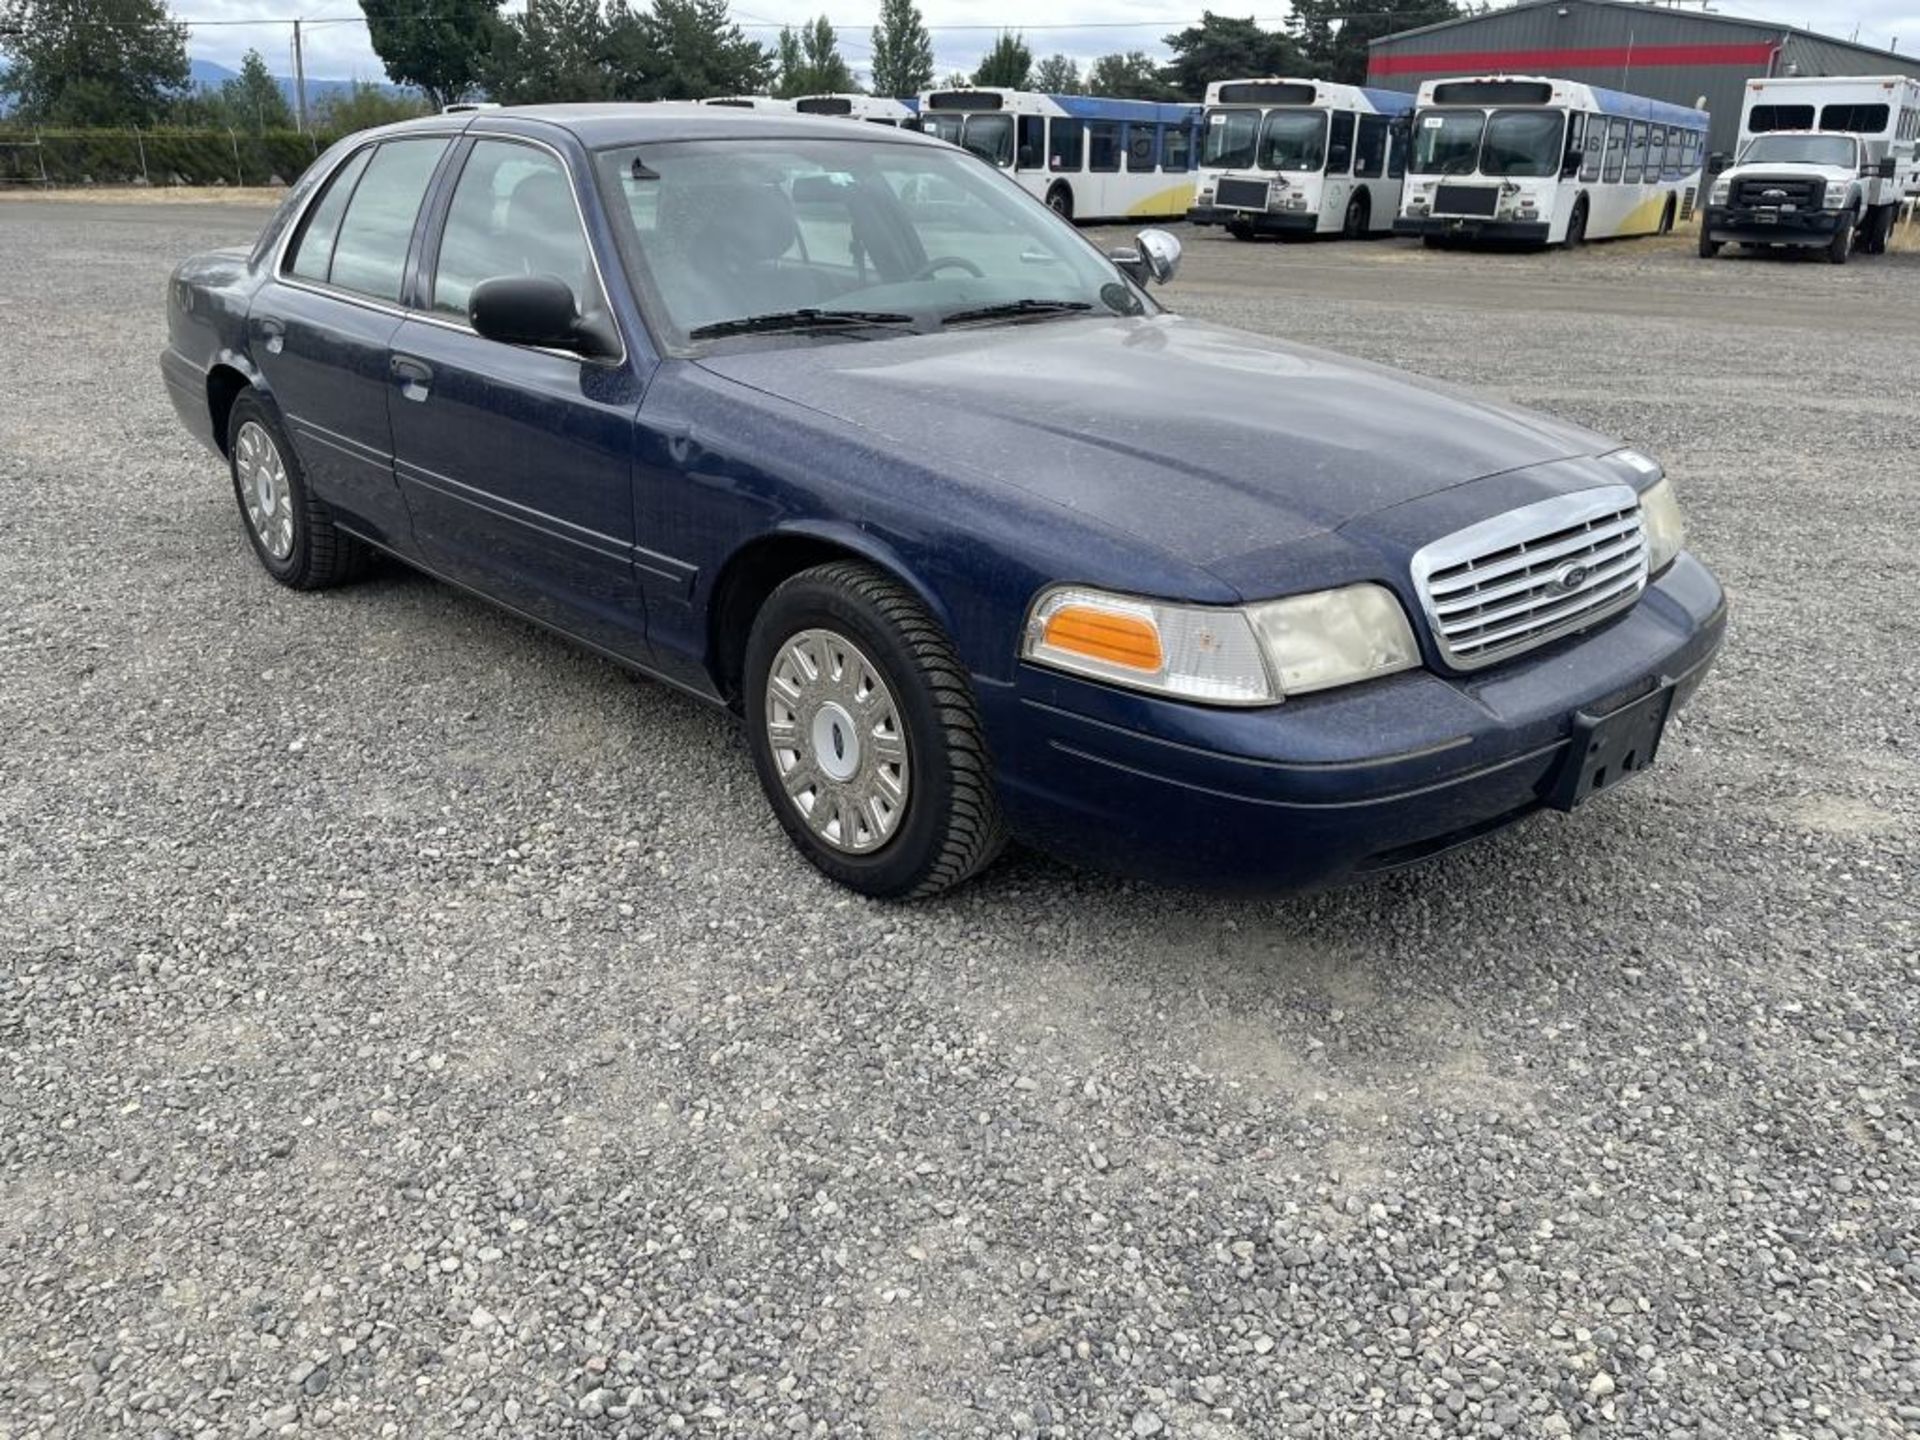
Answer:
(1717, 162)
(1570, 163)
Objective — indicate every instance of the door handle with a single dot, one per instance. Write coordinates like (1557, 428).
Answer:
(415, 376)
(273, 333)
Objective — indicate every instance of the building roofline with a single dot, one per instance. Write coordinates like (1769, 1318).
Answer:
(1767, 27)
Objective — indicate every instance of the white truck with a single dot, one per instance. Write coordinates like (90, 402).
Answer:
(1823, 161)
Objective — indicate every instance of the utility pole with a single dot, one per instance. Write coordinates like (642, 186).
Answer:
(299, 80)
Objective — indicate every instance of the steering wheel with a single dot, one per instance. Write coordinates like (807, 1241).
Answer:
(943, 262)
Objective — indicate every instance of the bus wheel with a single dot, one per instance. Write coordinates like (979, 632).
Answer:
(1060, 201)
(1666, 219)
(1355, 225)
(1434, 242)
(1577, 225)
(1240, 230)
(1842, 245)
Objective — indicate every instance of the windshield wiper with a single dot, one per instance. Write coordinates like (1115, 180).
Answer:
(1015, 310)
(807, 318)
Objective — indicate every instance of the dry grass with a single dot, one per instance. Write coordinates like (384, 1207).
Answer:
(150, 195)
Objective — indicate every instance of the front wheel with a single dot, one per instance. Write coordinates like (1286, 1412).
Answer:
(1842, 246)
(866, 737)
(1577, 226)
(1240, 231)
(1354, 227)
(1709, 247)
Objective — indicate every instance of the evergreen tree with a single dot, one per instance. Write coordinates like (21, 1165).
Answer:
(364, 106)
(1009, 63)
(439, 48)
(1057, 75)
(1222, 48)
(556, 50)
(810, 63)
(1132, 76)
(1333, 38)
(254, 100)
(682, 50)
(91, 62)
(902, 50)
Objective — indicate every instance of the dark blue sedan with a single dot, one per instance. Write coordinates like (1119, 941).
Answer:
(831, 424)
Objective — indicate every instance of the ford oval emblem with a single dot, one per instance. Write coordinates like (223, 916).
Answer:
(1570, 578)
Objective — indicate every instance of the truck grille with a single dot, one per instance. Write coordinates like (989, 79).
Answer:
(1241, 194)
(1532, 575)
(1465, 200)
(1756, 192)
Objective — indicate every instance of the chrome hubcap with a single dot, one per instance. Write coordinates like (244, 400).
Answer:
(837, 741)
(264, 490)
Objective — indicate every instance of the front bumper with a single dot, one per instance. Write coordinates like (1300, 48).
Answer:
(1327, 786)
(1261, 222)
(1473, 227)
(1785, 227)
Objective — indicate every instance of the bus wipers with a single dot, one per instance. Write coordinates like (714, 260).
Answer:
(1015, 310)
(807, 318)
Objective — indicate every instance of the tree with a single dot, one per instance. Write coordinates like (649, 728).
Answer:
(1222, 48)
(1008, 63)
(254, 100)
(682, 50)
(91, 62)
(555, 50)
(810, 63)
(439, 48)
(1057, 75)
(1333, 39)
(363, 106)
(1132, 76)
(902, 50)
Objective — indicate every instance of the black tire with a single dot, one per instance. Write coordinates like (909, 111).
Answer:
(1060, 201)
(1577, 225)
(319, 555)
(1842, 247)
(1879, 227)
(1354, 226)
(1434, 242)
(1709, 247)
(1241, 231)
(1666, 217)
(951, 828)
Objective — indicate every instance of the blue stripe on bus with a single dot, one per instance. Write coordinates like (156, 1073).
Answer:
(1389, 102)
(1096, 107)
(1639, 107)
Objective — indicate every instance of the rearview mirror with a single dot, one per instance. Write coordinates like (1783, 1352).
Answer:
(537, 310)
(1889, 168)
(1717, 162)
(1154, 256)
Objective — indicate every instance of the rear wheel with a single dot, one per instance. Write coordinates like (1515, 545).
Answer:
(1060, 201)
(1842, 246)
(292, 533)
(866, 736)
(1354, 227)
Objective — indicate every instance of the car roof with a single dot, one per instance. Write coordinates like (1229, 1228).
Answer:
(609, 123)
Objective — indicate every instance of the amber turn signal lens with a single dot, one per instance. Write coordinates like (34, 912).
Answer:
(1101, 635)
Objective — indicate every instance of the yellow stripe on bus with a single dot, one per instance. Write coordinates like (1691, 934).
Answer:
(1174, 200)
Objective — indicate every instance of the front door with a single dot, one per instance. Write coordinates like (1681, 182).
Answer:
(517, 463)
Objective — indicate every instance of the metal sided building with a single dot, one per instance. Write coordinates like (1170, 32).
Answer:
(1648, 49)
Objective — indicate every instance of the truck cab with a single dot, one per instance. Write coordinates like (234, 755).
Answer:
(1803, 189)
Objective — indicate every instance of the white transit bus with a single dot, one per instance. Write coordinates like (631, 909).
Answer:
(1088, 157)
(749, 102)
(880, 109)
(1300, 157)
(1547, 162)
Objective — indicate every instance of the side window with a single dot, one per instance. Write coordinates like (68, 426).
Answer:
(1656, 152)
(1068, 146)
(1860, 119)
(1637, 152)
(370, 255)
(512, 214)
(312, 253)
(1763, 118)
(1141, 151)
(1370, 147)
(1340, 143)
(1032, 151)
(1176, 149)
(1596, 145)
(1616, 149)
(1103, 145)
(1397, 134)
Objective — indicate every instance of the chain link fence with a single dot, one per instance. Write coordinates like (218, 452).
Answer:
(36, 157)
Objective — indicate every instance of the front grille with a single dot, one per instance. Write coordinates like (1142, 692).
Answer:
(1241, 194)
(1756, 192)
(1465, 200)
(1519, 580)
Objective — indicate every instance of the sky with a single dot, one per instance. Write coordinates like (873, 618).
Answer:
(336, 41)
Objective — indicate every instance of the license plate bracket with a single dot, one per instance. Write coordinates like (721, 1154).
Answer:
(1606, 749)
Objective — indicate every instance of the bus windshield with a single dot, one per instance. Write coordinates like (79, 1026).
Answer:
(947, 127)
(1447, 142)
(1835, 150)
(1231, 137)
(991, 138)
(1523, 142)
(1294, 140)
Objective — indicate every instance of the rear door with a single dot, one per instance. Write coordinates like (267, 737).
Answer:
(517, 462)
(320, 328)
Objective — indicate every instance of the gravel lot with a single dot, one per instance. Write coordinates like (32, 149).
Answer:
(412, 1026)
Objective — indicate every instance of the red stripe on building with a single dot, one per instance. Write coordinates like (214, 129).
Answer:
(1560, 62)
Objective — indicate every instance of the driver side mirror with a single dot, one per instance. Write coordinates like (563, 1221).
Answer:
(1154, 256)
(1888, 169)
(1571, 162)
(1718, 162)
(538, 310)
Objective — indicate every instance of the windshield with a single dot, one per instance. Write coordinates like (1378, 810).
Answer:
(826, 232)
(1231, 138)
(1523, 142)
(947, 127)
(991, 138)
(1447, 142)
(1835, 150)
(1294, 140)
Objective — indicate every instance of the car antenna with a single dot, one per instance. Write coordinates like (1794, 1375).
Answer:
(641, 171)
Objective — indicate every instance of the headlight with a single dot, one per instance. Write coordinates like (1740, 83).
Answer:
(1835, 197)
(1222, 655)
(1722, 189)
(1660, 518)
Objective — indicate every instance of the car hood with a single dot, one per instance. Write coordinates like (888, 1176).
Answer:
(1787, 170)
(1208, 442)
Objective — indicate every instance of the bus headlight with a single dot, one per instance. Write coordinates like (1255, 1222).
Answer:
(1660, 519)
(1223, 655)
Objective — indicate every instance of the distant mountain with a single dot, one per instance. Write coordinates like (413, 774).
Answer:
(211, 75)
